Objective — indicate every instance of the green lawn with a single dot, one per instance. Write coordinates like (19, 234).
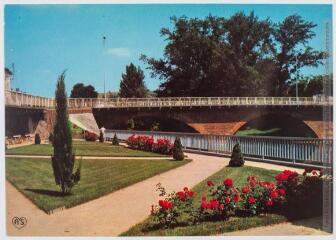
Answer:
(239, 175)
(35, 179)
(83, 148)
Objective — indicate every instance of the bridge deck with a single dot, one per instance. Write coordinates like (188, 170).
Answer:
(26, 100)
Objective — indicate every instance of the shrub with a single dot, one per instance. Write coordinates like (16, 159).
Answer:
(259, 196)
(51, 138)
(146, 143)
(224, 198)
(37, 139)
(237, 158)
(101, 136)
(177, 150)
(172, 206)
(115, 140)
(90, 136)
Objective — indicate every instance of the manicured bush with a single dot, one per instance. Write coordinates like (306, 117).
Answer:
(115, 140)
(37, 139)
(177, 150)
(101, 136)
(51, 138)
(90, 136)
(237, 158)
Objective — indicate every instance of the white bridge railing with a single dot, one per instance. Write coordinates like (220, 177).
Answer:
(296, 151)
(26, 100)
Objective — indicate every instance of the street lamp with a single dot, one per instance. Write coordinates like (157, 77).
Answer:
(104, 39)
(297, 77)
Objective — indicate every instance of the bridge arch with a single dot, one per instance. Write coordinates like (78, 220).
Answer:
(276, 124)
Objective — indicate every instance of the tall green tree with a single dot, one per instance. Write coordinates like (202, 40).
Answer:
(63, 159)
(212, 57)
(132, 84)
(80, 90)
(292, 36)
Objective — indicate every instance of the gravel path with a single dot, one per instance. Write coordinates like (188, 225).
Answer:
(116, 212)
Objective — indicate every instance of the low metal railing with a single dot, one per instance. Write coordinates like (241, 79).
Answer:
(297, 151)
(26, 100)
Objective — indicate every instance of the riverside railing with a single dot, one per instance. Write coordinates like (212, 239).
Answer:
(296, 151)
(26, 100)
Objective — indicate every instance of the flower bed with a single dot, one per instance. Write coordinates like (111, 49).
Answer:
(146, 143)
(256, 197)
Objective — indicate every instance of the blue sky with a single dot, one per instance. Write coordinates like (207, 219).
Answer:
(43, 40)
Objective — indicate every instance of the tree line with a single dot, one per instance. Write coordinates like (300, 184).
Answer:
(237, 56)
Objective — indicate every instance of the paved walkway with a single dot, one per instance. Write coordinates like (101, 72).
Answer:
(114, 213)
(301, 227)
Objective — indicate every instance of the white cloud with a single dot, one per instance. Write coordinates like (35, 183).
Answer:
(120, 52)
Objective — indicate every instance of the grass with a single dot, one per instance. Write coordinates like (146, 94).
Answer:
(82, 148)
(35, 179)
(239, 175)
(258, 132)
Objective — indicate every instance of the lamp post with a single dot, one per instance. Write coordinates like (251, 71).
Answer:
(297, 77)
(104, 48)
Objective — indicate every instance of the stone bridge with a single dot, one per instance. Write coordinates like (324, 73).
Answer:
(206, 115)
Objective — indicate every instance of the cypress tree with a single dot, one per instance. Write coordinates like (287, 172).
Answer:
(237, 158)
(115, 140)
(63, 159)
(37, 139)
(101, 136)
(177, 150)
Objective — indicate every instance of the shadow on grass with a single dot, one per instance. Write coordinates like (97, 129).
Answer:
(47, 192)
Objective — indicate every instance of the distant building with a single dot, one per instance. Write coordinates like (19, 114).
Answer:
(8, 79)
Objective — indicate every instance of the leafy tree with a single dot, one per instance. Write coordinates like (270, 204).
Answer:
(63, 159)
(238, 56)
(177, 150)
(292, 36)
(79, 90)
(237, 158)
(37, 139)
(215, 54)
(132, 84)
(115, 140)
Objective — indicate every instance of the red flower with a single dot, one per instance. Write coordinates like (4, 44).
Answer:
(274, 194)
(190, 194)
(214, 203)
(228, 182)
(282, 192)
(185, 189)
(181, 195)
(251, 200)
(165, 204)
(204, 205)
(269, 203)
(314, 172)
(236, 198)
(210, 183)
(227, 200)
(203, 199)
(246, 189)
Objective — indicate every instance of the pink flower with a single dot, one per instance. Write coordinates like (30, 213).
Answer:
(227, 200)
